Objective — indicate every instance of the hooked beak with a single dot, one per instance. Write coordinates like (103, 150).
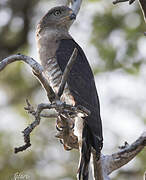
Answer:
(72, 16)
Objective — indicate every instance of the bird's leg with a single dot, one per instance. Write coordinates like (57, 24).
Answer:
(59, 124)
(65, 126)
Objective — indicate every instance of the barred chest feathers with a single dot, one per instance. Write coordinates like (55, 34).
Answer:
(47, 46)
(54, 76)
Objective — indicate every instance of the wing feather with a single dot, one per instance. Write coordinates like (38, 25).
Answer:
(82, 87)
(81, 82)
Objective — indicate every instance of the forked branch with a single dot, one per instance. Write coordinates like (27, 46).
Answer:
(114, 161)
(60, 107)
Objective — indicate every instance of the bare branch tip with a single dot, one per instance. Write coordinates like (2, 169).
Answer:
(27, 102)
(22, 148)
(67, 71)
(124, 146)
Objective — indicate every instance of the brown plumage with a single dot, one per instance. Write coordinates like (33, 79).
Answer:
(55, 46)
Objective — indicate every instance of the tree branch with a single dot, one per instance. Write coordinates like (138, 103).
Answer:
(68, 138)
(66, 133)
(19, 57)
(33, 125)
(49, 115)
(37, 71)
(141, 2)
(119, 1)
(126, 154)
(67, 71)
(109, 163)
(113, 162)
(74, 5)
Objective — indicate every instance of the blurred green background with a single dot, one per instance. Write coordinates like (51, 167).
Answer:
(112, 38)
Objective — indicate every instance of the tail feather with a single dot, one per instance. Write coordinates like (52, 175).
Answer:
(83, 171)
(88, 141)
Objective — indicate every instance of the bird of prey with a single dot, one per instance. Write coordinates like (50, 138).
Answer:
(55, 46)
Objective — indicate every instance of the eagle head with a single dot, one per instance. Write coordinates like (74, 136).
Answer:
(57, 17)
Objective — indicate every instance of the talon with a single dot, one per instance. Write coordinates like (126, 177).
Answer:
(67, 148)
(64, 127)
(59, 135)
(58, 129)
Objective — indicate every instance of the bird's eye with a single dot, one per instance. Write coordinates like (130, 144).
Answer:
(57, 12)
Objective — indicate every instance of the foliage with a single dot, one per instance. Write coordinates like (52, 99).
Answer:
(116, 37)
